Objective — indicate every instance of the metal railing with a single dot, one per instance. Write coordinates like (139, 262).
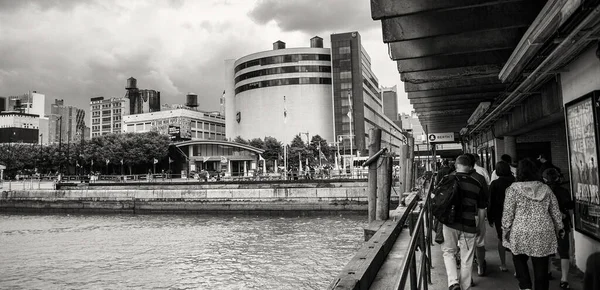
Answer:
(421, 224)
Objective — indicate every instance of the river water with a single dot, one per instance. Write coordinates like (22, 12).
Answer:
(175, 251)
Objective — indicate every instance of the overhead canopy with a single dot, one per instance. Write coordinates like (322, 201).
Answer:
(449, 53)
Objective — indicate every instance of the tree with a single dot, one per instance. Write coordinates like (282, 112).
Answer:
(316, 143)
(273, 151)
(240, 140)
(257, 142)
(298, 150)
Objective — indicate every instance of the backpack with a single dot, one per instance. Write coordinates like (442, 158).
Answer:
(446, 199)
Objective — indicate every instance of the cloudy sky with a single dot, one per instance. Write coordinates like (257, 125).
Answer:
(77, 49)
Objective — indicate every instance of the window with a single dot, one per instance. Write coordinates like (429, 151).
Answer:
(344, 49)
(282, 59)
(345, 75)
(282, 82)
(346, 86)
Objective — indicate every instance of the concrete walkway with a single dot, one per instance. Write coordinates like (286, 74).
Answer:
(495, 279)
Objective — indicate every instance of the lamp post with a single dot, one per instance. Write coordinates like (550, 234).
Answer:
(59, 143)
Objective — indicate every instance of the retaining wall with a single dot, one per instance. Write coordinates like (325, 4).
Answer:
(187, 198)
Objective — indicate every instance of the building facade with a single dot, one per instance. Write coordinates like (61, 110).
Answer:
(16, 127)
(190, 124)
(107, 115)
(66, 123)
(29, 103)
(357, 100)
(280, 93)
(390, 103)
(141, 101)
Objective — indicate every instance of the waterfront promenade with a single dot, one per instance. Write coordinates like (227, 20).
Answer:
(495, 279)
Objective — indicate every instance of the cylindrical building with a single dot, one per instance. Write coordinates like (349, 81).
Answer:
(281, 93)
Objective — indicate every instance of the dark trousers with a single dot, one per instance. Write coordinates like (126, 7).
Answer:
(540, 272)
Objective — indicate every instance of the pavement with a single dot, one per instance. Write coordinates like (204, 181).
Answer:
(495, 279)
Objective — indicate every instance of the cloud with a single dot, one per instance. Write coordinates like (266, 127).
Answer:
(12, 5)
(314, 16)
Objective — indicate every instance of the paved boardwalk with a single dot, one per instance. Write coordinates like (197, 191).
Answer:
(495, 279)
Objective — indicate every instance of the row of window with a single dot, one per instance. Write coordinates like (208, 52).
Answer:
(219, 150)
(104, 106)
(283, 82)
(282, 59)
(283, 70)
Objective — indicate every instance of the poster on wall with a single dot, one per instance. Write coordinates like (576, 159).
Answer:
(581, 116)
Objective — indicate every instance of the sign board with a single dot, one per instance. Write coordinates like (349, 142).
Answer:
(174, 132)
(582, 133)
(442, 137)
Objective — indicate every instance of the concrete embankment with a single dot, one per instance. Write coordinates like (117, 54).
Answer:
(140, 198)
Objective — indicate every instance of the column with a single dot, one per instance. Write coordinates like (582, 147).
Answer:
(510, 147)
(228, 167)
(245, 168)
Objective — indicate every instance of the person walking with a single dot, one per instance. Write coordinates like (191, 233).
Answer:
(497, 196)
(460, 234)
(506, 158)
(552, 178)
(480, 239)
(531, 222)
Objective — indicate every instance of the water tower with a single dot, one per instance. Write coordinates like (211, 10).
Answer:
(191, 100)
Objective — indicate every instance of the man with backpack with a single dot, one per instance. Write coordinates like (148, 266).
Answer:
(459, 204)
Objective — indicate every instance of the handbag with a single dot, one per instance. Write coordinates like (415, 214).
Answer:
(439, 232)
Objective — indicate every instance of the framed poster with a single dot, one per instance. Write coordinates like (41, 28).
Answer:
(582, 134)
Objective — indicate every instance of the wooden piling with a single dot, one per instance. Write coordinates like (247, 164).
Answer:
(384, 187)
(374, 147)
(410, 177)
(403, 169)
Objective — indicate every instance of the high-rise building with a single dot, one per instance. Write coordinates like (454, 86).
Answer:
(66, 123)
(412, 125)
(357, 100)
(141, 101)
(107, 115)
(390, 102)
(280, 93)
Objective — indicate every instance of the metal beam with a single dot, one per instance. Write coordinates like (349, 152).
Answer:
(451, 73)
(496, 88)
(490, 57)
(463, 98)
(446, 112)
(448, 104)
(442, 22)
(391, 8)
(473, 41)
(410, 87)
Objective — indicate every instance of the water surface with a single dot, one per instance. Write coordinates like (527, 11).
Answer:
(174, 252)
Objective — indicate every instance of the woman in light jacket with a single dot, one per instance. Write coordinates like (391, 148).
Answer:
(531, 221)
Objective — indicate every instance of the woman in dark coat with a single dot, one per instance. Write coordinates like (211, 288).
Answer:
(497, 194)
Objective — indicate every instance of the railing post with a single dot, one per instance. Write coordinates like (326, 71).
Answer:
(374, 147)
(412, 221)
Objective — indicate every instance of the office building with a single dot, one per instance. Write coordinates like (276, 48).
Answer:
(2, 104)
(280, 93)
(390, 102)
(357, 100)
(107, 115)
(66, 124)
(182, 123)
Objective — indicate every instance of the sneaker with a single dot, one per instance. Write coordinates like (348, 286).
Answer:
(564, 285)
(482, 268)
(454, 287)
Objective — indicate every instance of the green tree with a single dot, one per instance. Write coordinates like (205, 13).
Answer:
(298, 150)
(273, 151)
(316, 143)
(257, 142)
(240, 140)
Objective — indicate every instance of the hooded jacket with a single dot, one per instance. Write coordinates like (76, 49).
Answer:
(531, 219)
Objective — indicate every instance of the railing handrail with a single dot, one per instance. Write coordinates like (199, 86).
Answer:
(416, 234)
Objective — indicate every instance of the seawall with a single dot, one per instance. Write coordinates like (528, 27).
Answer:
(193, 198)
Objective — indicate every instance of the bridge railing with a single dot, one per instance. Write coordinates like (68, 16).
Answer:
(420, 224)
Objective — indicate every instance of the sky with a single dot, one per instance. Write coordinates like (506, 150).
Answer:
(79, 49)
